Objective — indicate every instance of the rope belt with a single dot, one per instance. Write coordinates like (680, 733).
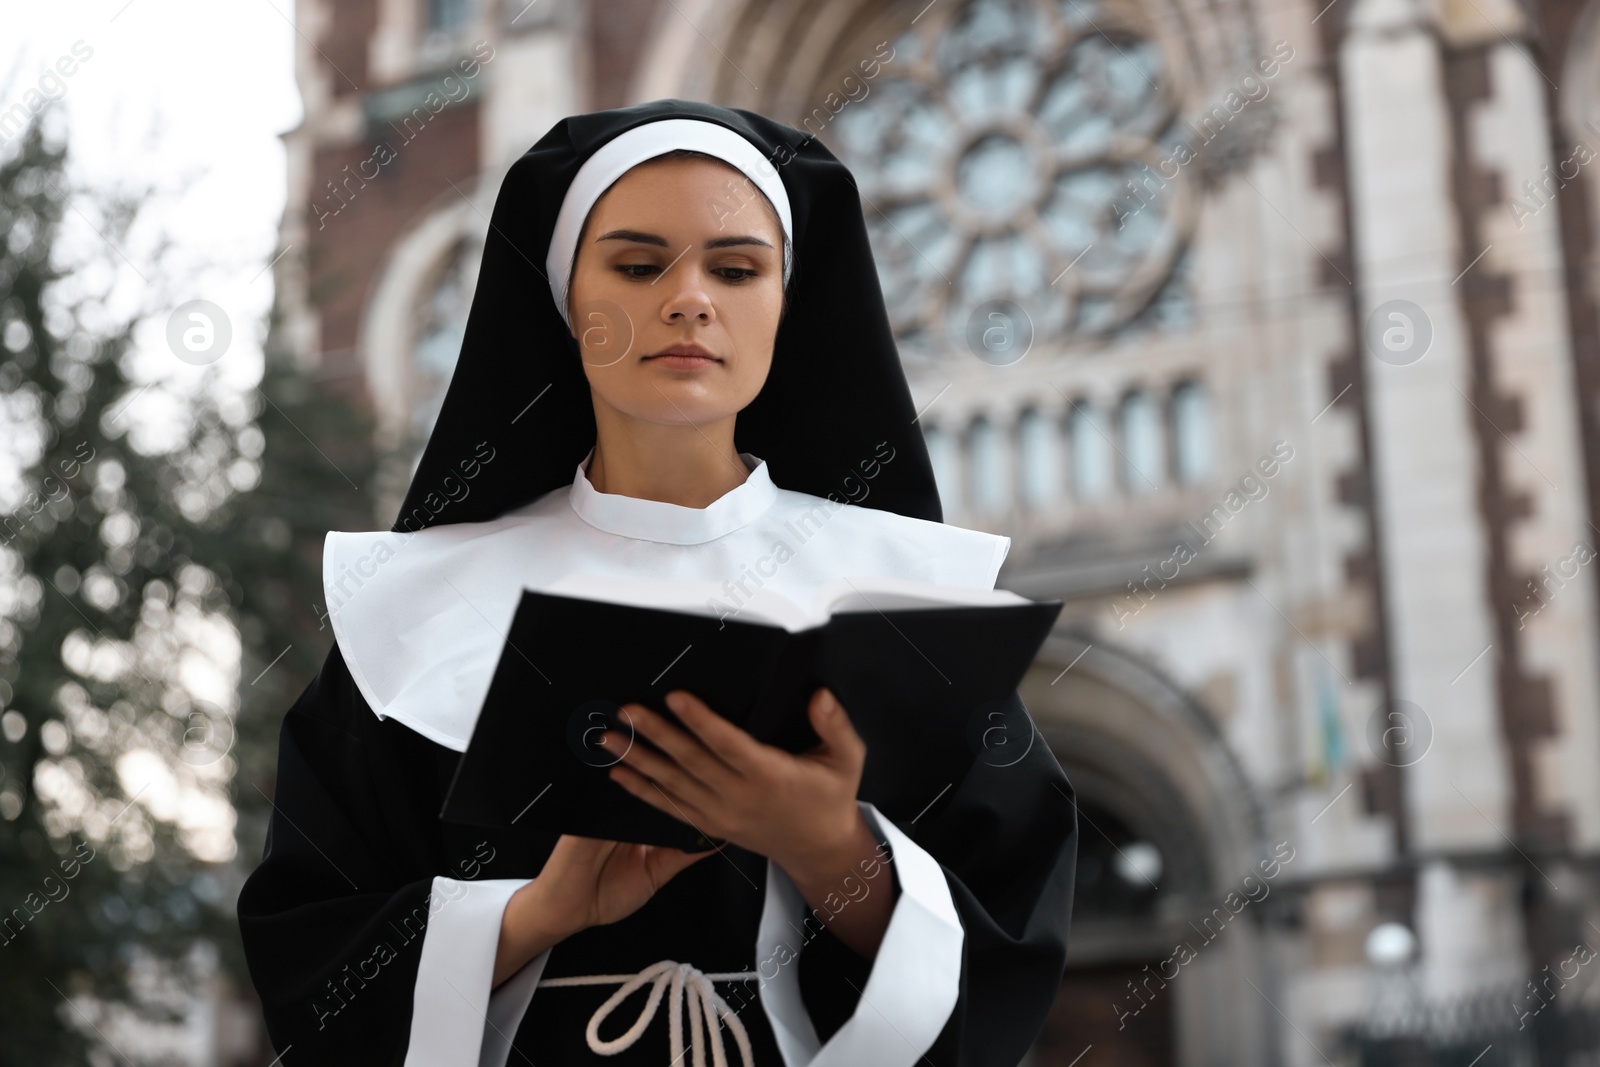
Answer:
(705, 1006)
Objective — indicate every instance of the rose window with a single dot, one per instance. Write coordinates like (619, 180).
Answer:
(1009, 150)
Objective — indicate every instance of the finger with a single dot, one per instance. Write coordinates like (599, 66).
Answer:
(734, 747)
(683, 746)
(832, 724)
(662, 798)
(644, 777)
(668, 772)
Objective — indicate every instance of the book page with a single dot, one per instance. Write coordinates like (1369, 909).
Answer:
(872, 592)
(851, 593)
(696, 598)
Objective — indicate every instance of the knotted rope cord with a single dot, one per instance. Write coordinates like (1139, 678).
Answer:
(704, 1004)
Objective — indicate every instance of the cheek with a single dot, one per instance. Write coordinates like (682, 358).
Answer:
(754, 371)
(752, 317)
(605, 318)
(754, 332)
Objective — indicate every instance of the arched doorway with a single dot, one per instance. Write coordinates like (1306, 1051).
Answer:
(1103, 1014)
(1168, 829)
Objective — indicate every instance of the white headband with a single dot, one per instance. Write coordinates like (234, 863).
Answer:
(626, 151)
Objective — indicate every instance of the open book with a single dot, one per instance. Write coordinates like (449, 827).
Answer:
(927, 673)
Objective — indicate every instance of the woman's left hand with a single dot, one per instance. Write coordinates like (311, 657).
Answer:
(799, 811)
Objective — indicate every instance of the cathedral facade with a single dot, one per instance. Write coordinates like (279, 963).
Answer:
(1267, 329)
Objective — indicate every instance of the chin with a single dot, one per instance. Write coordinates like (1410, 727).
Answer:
(677, 407)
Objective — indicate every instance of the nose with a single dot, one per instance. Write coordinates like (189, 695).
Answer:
(687, 298)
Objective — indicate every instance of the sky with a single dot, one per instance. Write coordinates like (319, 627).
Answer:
(187, 96)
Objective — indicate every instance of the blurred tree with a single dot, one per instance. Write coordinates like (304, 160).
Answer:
(159, 610)
(316, 466)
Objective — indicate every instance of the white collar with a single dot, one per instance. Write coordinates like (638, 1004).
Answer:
(421, 618)
(674, 524)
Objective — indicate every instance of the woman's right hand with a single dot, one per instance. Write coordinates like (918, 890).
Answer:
(585, 882)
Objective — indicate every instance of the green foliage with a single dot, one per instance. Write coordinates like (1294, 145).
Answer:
(126, 573)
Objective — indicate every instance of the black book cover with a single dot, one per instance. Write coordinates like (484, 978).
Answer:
(928, 689)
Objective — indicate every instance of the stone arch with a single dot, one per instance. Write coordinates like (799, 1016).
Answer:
(1113, 718)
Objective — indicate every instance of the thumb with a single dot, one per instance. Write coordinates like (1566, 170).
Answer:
(667, 863)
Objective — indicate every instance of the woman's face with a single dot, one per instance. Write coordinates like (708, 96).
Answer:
(678, 252)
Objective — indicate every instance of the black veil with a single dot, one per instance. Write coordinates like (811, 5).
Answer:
(835, 393)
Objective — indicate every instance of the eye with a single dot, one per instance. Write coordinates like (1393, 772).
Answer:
(733, 275)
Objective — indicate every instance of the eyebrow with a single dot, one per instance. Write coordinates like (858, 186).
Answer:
(639, 237)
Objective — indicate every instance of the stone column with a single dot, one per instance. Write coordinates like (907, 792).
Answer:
(1433, 540)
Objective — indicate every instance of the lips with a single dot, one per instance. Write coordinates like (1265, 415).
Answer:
(672, 362)
(685, 353)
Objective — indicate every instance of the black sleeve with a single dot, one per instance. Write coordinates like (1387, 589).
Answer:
(332, 919)
(1006, 838)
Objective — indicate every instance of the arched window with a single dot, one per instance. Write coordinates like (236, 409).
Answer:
(991, 476)
(946, 462)
(1091, 452)
(1143, 443)
(439, 325)
(1192, 433)
(1039, 453)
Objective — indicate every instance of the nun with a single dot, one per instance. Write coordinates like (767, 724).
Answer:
(677, 365)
